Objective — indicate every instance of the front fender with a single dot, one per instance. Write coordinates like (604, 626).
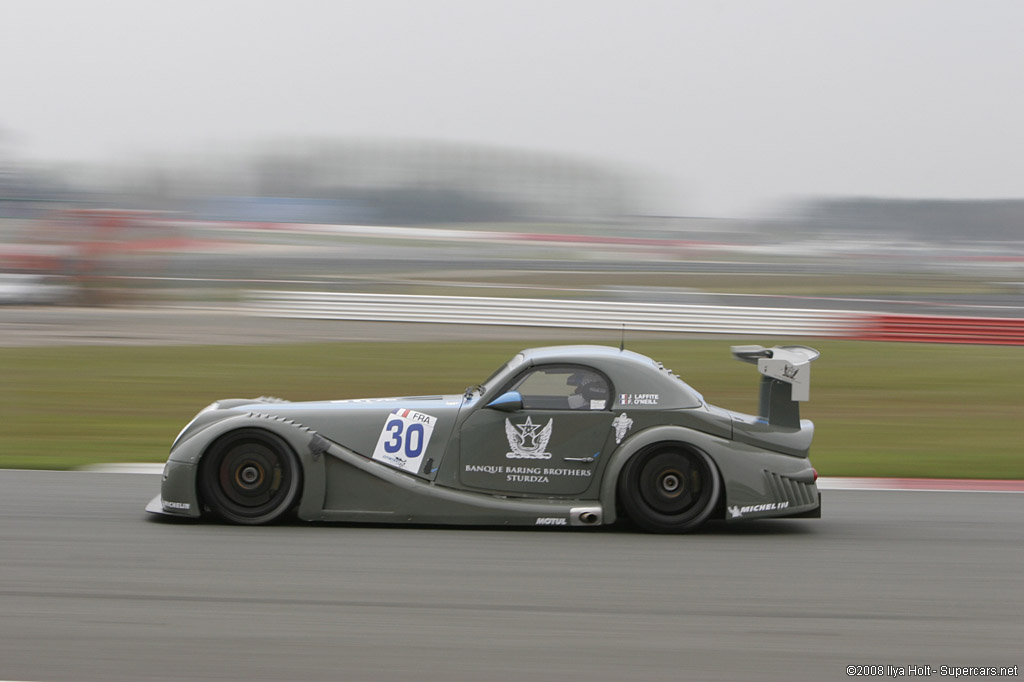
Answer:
(179, 485)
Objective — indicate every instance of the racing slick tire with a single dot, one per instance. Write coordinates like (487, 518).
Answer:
(669, 488)
(249, 477)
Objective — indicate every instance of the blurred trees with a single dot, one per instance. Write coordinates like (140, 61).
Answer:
(922, 220)
(388, 182)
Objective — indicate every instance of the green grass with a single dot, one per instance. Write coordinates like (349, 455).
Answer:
(880, 409)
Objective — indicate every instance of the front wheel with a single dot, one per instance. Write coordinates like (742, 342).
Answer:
(249, 477)
(669, 489)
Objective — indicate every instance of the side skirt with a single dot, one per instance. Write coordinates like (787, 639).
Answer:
(406, 499)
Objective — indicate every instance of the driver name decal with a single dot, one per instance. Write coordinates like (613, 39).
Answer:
(404, 439)
(638, 399)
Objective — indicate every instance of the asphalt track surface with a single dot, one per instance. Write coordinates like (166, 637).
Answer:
(92, 589)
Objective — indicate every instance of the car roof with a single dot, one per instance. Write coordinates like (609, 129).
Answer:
(581, 352)
(630, 372)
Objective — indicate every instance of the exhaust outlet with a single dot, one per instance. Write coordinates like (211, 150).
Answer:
(585, 516)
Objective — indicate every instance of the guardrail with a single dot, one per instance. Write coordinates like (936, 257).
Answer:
(694, 319)
(573, 314)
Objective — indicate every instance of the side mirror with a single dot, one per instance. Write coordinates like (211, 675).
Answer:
(508, 402)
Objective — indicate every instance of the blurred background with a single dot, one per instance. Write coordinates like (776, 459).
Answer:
(392, 215)
(188, 174)
(186, 153)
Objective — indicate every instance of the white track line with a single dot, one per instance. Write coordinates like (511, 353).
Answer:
(824, 483)
(125, 468)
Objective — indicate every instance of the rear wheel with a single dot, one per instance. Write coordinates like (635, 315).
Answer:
(249, 477)
(669, 489)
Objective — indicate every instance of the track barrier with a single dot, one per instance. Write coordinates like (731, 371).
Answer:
(663, 317)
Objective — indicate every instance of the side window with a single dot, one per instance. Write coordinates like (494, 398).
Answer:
(563, 388)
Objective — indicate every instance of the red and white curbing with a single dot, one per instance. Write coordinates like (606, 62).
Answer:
(958, 485)
(998, 331)
(824, 483)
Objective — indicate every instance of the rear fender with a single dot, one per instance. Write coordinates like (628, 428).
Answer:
(751, 477)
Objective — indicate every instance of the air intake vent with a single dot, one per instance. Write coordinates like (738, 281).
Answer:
(783, 488)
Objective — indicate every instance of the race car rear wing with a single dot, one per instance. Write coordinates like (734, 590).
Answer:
(785, 380)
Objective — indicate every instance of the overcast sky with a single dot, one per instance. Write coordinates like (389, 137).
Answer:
(733, 105)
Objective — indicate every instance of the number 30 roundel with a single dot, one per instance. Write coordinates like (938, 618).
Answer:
(404, 438)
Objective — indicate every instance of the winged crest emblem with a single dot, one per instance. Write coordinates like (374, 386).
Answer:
(528, 440)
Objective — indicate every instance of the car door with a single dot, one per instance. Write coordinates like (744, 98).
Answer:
(544, 436)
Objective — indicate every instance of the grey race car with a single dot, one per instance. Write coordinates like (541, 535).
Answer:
(559, 436)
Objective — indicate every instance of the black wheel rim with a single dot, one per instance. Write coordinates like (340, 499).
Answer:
(252, 477)
(674, 484)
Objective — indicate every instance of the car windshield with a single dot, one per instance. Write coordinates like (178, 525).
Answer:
(502, 372)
